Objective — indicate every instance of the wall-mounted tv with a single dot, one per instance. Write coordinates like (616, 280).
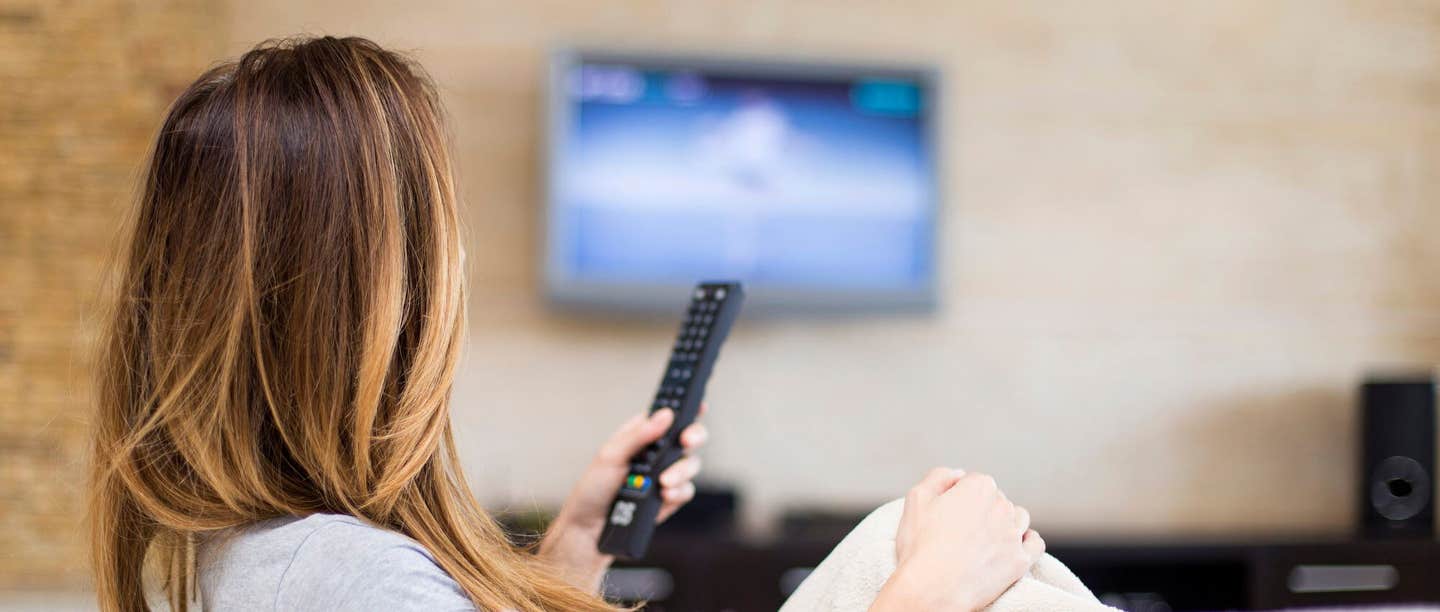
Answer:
(814, 183)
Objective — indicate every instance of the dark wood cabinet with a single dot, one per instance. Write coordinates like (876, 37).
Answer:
(694, 573)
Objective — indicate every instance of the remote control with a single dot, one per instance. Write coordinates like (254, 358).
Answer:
(631, 522)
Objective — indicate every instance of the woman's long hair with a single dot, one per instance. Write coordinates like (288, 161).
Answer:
(289, 312)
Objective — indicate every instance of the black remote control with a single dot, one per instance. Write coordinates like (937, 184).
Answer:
(631, 522)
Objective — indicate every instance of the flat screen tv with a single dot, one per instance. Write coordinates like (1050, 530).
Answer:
(813, 183)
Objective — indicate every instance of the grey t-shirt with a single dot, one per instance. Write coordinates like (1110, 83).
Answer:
(322, 562)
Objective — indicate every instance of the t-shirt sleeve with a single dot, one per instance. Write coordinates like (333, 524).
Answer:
(349, 567)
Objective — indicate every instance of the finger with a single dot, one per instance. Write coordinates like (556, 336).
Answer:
(1033, 544)
(975, 482)
(682, 472)
(704, 407)
(1004, 508)
(1022, 520)
(936, 481)
(678, 495)
(674, 499)
(694, 436)
(635, 434)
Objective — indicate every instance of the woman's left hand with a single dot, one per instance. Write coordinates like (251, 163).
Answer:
(572, 540)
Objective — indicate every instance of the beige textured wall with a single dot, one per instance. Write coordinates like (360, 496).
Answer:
(82, 89)
(1175, 235)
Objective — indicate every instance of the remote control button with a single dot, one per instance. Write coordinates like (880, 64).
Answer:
(699, 294)
(637, 482)
(720, 293)
(623, 513)
(708, 319)
(704, 332)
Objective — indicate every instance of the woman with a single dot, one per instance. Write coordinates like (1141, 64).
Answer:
(273, 428)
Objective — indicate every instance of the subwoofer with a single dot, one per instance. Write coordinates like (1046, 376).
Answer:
(1397, 464)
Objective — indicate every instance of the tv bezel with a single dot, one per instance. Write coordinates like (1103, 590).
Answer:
(568, 293)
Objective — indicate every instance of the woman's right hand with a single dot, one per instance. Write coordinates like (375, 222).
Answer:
(960, 544)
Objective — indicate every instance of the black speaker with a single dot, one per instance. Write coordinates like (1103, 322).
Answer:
(1397, 465)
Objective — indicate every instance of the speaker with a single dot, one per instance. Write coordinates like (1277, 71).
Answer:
(1397, 465)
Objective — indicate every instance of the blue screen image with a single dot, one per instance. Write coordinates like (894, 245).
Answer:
(671, 176)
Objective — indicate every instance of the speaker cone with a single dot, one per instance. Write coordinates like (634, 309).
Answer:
(1400, 488)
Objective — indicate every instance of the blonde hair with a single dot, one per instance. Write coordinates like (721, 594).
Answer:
(289, 313)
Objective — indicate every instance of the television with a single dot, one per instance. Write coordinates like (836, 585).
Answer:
(813, 183)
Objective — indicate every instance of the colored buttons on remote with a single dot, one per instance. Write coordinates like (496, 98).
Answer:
(638, 482)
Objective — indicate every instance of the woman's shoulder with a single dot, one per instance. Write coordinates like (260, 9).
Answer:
(332, 534)
(323, 561)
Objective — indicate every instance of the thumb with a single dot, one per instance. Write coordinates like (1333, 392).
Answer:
(636, 433)
(936, 482)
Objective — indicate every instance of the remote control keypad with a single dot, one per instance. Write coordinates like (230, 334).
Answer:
(689, 348)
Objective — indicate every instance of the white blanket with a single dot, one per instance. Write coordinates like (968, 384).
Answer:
(850, 578)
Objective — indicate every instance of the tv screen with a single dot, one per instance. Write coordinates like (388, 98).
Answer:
(814, 184)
